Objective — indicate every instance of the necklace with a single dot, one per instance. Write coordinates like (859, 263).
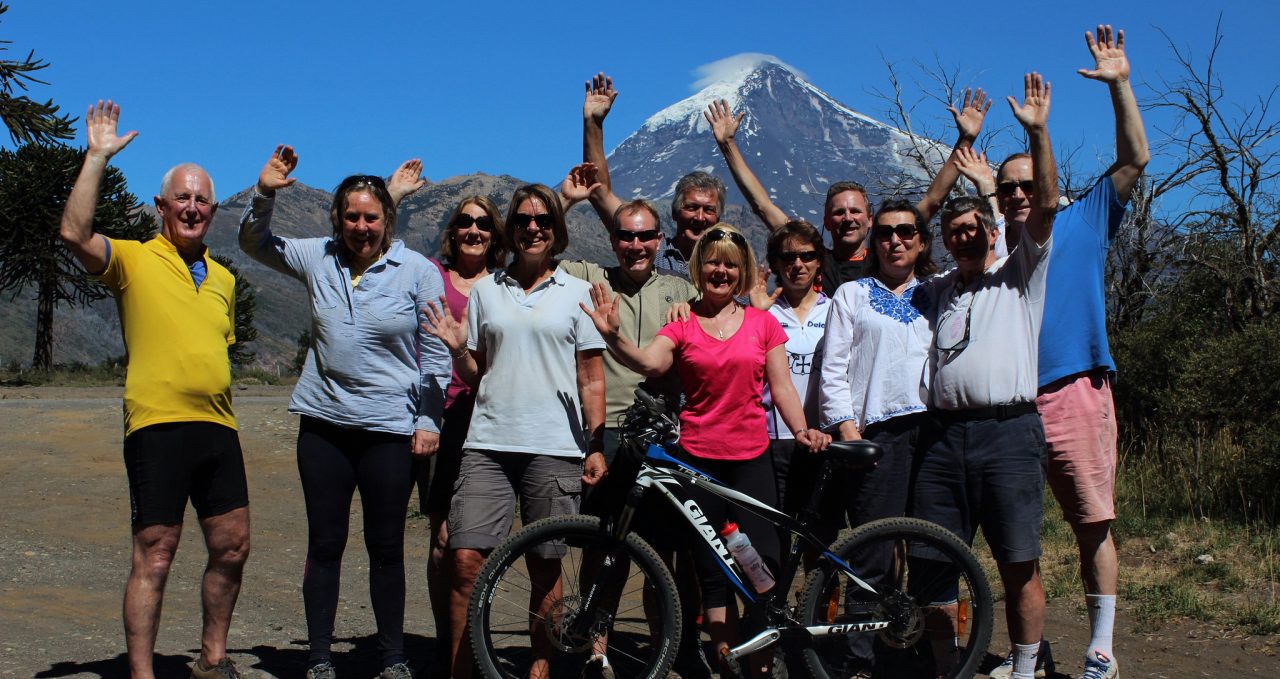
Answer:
(718, 326)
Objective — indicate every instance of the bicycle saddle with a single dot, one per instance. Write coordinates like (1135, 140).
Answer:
(855, 454)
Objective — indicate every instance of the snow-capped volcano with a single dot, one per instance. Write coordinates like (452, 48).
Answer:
(797, 139)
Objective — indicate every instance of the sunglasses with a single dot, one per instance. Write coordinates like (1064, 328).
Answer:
(362, 180)
(1007, 188)
(521, 221)
(720, 234)
(905, 231)
(787, 257)
(463, 222)
(647, 236)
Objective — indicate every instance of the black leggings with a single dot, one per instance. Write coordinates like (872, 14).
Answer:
(333, 462)
(754, 477)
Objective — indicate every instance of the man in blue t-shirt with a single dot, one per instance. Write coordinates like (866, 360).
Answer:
(1075, 365)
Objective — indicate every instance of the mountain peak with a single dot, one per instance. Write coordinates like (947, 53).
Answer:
(734, 70)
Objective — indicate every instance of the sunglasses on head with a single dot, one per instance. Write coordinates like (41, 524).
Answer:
(789, 256)
(1007, 188)
(903, 231)
(464, 221)
(544, 221)
(646, 236)
(362, 180)
(721, 234)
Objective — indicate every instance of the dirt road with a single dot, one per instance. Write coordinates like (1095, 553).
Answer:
(64, 555)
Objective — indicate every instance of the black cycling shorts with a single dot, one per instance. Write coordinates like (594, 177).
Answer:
(170, 463)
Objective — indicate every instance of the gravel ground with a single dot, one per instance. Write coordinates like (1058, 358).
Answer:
(64, 555)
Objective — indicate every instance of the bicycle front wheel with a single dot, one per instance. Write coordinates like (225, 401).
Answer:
(530, 615)
(930, 613)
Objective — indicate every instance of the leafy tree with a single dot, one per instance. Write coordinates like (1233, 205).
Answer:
(28, 121)
(246, 305)
(34, 183)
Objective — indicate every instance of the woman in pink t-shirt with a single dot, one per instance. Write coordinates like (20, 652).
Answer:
(723, 354)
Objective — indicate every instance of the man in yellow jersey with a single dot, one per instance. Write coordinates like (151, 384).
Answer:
(177, 313)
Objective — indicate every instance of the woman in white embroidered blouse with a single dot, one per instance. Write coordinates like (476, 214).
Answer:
(876, 346)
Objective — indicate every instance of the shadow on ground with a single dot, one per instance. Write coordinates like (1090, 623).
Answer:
(362, 659)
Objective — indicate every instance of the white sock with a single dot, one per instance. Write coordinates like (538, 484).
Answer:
(1102, 618)
(1024, 660)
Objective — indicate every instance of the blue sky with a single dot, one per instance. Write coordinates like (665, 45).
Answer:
(496, 87)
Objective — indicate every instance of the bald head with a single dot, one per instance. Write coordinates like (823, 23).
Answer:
(166, 182)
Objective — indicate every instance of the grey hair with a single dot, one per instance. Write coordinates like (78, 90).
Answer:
(167, 180)
(702, 181)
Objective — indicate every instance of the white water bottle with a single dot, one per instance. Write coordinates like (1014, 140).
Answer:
(747, 557)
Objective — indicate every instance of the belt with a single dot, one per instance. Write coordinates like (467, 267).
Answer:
(1004, 411)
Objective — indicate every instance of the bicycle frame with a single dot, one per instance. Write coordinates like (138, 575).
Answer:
(672, 481)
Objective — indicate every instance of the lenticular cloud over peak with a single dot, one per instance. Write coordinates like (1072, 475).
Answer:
(734, 68)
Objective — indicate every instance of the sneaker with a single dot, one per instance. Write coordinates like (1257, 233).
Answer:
(596, 669)
(322, 670)
(1099, 666)
(225, 669)
(397, 671)
(1044, 664)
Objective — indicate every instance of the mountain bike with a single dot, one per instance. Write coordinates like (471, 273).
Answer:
(896, 597)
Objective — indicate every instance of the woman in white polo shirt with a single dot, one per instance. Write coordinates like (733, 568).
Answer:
(537, 427)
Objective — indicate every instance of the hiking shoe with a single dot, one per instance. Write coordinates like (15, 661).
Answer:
(1044, 664)
(322, 670)
(225, 669)
(397, 671)
(596, 669)
(1099, 666)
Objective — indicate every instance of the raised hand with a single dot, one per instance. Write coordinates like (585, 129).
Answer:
(972, 111)
(275, 174)
(441, 323)
(759, 293)
(604, 311)
(580, 182)
(976, 169)
(1033, 114)
(406, 179)
(1110, 63)
(724, 125)
(100, 130)
(599, 99)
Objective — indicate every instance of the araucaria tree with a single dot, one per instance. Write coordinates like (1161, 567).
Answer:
(246, 305)
(34, 183)
(28, 121)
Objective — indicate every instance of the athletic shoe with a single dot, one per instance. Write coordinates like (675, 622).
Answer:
(1099, 666)
(225, 669)
(322, 670)
(1044, 664)
(596, 669)
(397, 671)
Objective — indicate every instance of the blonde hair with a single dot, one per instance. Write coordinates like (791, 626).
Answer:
(725, 243)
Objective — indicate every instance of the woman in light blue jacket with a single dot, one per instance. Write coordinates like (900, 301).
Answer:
(371, 392)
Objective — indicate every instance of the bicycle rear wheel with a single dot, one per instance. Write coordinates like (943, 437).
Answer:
(929, 589)
(527, 609)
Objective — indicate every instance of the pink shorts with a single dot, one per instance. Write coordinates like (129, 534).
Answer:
(1080, 432)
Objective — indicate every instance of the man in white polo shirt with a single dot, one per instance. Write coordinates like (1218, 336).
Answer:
(982, 467)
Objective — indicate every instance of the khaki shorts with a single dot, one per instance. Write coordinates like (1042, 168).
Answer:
(1080, 433)
(484, 498)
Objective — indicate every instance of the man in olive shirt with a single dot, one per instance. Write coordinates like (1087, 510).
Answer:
(646, 296)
